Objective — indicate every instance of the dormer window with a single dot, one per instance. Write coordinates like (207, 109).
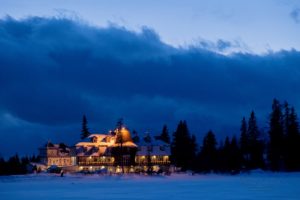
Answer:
(107, 139)
(95, 139)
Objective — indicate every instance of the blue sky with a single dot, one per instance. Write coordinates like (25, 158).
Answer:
(258, 26)
(152, 63)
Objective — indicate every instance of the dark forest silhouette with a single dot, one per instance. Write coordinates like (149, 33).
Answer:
(276, 151)
(16, 165)
(279, 151)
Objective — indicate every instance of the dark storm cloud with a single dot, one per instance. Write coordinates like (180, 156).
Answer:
(219, 46)
(53, 70)
(295, 15)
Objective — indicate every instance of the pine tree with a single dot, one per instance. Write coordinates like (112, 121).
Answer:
(84, 131)
(119, 140)
(208, 153)
(24, 163)
(221, 159)
(147, 138)
(182, 150)
(14, 165)
(286, 118)
(164, 136)
(193, 152)
(119, 124)
(292, 141)
(286, 128)
(276, 151)
(229, 156)
(224, 156)
(3, 170)
(255, 145)
(235, 157)
(136, 138)
(244, 144)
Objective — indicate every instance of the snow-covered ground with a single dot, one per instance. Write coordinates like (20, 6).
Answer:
(72, 187)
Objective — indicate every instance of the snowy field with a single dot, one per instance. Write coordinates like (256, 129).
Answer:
(72, 187)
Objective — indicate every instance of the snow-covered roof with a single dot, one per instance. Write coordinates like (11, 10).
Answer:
(150, 146)
(95, 154)
(99, 136)
(90, 151)
(85, 144)
(152, 142)
(125, 144)
(88, 141)
(154, 151)
(103, 142)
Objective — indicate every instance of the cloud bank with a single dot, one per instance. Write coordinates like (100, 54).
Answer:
(295, 15)
(54, 70)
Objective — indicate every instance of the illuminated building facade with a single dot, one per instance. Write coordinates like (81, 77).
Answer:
(114, 152)
(57, 154)
(152, 154)
(107, 152)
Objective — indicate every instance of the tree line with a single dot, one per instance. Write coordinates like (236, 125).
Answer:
(278, 151)
(16, 165)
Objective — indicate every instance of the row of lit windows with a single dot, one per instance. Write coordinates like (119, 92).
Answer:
(96, 159)
(59, 161)
(153, 158)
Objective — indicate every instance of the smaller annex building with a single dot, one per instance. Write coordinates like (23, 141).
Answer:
(114, 152)
(57, 154)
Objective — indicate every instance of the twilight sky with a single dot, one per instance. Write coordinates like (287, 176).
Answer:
(152, 63)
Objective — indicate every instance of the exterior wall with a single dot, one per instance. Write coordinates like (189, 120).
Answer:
(154, 160)
(153, 157)
(102, 154)
(52, 152)
(52, 156)
(95, 160)
(61, 161)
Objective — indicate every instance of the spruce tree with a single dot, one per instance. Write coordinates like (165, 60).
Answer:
(229, 156)
(165, 135)
(292, 142)
(182, 150)
(14, 165)
(193, 147)
(286, 129)
(136, 138)
(119, 139)
(225, 154)
(255, 145)
(276, 151)
(286, 118)
(84, 131)
(3, 170)
(176, 146)
(236, 157)
(244, 144)
(208, 153)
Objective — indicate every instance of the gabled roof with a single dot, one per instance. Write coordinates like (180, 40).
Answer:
(85, 144)
(87, 141)
(154, 151)
(150, 141)
(125, 144)
(99, 136)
